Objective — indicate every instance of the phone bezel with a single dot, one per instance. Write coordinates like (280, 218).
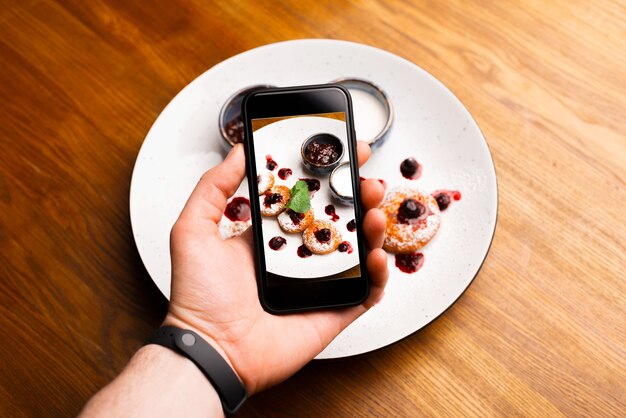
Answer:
(300, 295)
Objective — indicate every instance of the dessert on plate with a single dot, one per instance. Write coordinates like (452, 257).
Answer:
(293, 222)
(321, 237)
(274, 200)
(265, 181)
(413, 219)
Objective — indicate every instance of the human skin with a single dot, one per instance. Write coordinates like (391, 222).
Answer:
(214, 293)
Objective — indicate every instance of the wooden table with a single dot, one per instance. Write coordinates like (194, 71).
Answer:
(540, 332)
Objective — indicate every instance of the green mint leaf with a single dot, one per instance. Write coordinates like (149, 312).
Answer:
(300, 200)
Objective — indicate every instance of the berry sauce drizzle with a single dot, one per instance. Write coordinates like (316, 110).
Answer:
(409, 263)
(445, 197)
(238, 209)
(411, 169)
(295, 217)
(323, 235)
(313, 185)
(271, 164)
(330, 211)
(304, 252)
(345, 247)
(411, 212)
(277, 243)
(271, 198)
(284, 173)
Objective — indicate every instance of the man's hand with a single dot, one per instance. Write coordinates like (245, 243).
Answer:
(214, 287)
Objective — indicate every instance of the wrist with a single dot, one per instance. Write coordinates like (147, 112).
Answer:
(156, 382)
(177, 367)
(173, 320)
(202, 350)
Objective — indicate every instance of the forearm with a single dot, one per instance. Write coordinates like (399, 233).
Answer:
(157, 382)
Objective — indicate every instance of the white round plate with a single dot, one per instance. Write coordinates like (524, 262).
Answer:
(430, 124)
(282, 140)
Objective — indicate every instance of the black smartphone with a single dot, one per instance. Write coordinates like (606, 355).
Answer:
(306, 208)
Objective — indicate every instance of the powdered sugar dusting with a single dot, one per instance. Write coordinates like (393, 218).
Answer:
(402, 237)
(287, 224)
(265, 181)
(275, 208)
(316, 246)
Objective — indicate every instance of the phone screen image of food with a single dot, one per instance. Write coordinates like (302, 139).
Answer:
(308, 229)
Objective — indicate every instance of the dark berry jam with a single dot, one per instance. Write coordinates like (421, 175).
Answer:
(362, 178)
(345, 247)
(295, 217)
(284, 173)
(330, 211)
(277, 243)
(351, 226)
(238, 209)
(324, 149)
(323, 235)
(409, 263)
(445, 197)
(234, 130)
(271, 198)
(304, 252)
(383, 182)
(411, 169)
(271, 164)
(410, 211)
(313, 185)
(443, 201)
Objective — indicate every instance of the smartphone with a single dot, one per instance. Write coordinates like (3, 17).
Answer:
(306, 208)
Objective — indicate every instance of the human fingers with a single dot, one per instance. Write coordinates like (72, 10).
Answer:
(379, 273)
(372, 193)
(363, 152)
(208, 199)
(374, 224)
(329, 323)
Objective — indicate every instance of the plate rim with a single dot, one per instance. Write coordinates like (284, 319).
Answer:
(444, 88)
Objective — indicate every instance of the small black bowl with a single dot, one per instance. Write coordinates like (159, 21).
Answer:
(320, 162)
(231, 113)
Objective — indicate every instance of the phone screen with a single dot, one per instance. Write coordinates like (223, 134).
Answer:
(305, 186)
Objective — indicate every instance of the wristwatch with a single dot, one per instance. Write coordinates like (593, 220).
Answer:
(230, 389)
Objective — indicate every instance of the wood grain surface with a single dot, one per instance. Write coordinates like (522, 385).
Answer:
(542, 330)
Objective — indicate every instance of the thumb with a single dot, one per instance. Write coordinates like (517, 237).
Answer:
(329, 323)
(208, 199)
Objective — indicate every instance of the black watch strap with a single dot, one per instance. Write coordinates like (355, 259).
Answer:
(186, 342)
